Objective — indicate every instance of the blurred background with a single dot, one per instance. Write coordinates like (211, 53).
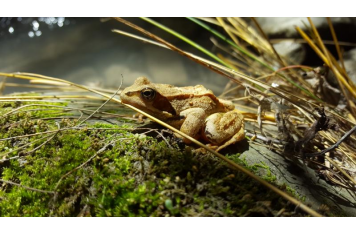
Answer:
(86, 51)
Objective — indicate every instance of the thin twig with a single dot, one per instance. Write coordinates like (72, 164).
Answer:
(341, 170)
(108, 100)
(48, 140)
(19, 148)
(156, 131)
(25, 187)
(332, 147)
(265, 139)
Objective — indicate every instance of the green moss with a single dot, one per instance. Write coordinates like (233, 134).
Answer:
(127, 175)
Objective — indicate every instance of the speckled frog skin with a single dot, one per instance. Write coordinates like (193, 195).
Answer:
(195, 110)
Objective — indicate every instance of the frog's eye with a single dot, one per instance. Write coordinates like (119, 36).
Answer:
(148, 94)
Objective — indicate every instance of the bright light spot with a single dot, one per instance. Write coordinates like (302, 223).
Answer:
(53, 20)
(35, 25)
(60, 24)
(31, 34)
(11, 30)
(61, 19)
(38, 33)
(274, 85)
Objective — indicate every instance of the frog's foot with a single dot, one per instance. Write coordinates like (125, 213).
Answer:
(236, 138)
(139, 117)
(224, 129)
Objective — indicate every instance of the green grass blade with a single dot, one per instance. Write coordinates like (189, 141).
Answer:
(178, 35)
(207, 27)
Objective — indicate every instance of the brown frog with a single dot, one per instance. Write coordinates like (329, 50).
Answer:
(194, 110)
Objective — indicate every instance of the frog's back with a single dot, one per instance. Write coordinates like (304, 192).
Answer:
(198, 96)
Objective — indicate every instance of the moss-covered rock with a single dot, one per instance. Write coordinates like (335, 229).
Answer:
(106, 170)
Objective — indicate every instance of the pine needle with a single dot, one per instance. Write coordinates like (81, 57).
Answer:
(336, 43)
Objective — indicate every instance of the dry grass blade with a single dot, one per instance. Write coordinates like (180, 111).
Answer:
(242, 31)
(336, 43)
(222, 23)
(49, 97)
(265, 36)
(341, 170)
(336, 70)
(327, 62)
(241, 50)
(349, 101)
(2, 85)
(302, 41)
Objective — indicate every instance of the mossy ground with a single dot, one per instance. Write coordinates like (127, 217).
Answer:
(129, 174)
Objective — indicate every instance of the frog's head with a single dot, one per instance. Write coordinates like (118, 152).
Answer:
(144, 95)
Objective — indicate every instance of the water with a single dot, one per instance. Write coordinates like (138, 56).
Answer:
(85, 51)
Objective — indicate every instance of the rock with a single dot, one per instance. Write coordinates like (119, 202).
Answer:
(285, 26)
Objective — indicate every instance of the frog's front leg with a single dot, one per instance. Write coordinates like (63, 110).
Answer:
(223, 129)
(194, 119)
